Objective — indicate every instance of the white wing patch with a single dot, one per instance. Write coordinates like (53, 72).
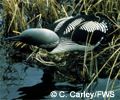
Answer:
(91, 26)
(72, 25)
(61, 22)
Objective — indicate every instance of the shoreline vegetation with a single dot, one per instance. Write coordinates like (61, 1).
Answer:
(18, 15)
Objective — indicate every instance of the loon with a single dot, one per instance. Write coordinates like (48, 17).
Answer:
(74, 33)
(83, 32)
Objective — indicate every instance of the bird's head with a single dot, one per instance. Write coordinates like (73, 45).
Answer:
(41, 37)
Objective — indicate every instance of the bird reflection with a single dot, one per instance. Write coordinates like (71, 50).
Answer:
(40, 90)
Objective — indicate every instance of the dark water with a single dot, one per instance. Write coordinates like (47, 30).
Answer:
(21, 77)
(37, 83)
(32, 78)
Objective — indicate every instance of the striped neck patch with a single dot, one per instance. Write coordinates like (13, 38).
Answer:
(73, 25)
(61, 23)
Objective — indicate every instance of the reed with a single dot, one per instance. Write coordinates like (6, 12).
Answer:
(21, 14)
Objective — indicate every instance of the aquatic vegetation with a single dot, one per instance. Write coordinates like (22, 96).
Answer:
(19, 15)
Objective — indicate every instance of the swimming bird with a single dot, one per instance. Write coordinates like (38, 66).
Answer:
(74, 33)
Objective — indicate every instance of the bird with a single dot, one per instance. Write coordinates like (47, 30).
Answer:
(83, 32)
(41, 37)
(73, 33)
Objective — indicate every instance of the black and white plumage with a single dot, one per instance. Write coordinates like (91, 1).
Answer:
(82, 32)
(65, 26)
(90, 32)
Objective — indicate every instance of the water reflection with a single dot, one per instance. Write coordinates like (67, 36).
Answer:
(43, 89)
(27, 83)
(40, 90)
(11, 81)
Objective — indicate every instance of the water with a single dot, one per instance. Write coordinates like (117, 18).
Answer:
(26, 76)
(17, 79)
(15, 76)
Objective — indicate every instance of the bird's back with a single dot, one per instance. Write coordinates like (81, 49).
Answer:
(86, 28)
